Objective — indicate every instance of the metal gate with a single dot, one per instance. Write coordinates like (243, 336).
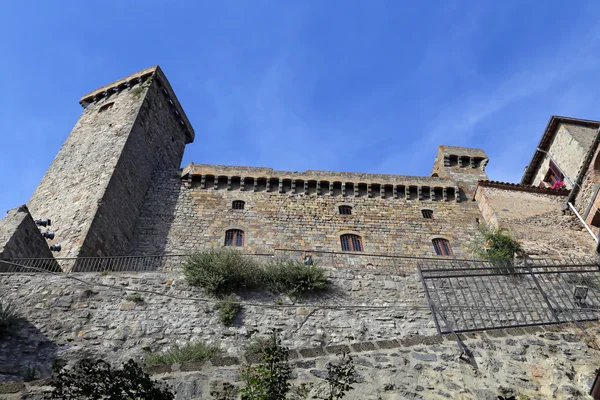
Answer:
(477, 298)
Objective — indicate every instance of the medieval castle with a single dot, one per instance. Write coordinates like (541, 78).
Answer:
(116, 188)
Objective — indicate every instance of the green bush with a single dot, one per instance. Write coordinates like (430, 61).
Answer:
(228, 310)
(498, 246)
(93, 380)
(222, 271)
(197, 351)
(9, 317)
(258, 345)
(136, 298)
(293, 277)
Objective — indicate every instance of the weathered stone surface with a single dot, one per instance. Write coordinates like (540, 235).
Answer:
(21, 238)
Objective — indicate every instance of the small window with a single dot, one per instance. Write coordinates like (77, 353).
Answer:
(351, 242)
(106, 107)
(345, 210)
(238, 205)
(554, 177)
(428, 214)
(442, 247)
(234, 237)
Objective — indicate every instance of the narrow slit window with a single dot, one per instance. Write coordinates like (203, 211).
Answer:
(345, 210)
(351, 242)
(442, 247)
(238, 205)
(427, 214)
(234, 237)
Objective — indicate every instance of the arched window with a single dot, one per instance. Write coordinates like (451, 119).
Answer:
(237, 205)
(428, 214)
(106, 107)
(234, 237)
(345, 210)
(442, 247)
(351, 242)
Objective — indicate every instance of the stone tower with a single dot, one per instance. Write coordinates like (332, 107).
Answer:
(94, 189)
(463, 165)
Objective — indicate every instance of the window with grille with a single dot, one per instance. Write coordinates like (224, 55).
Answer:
(442, 247)
(106, 107)
(351, 242)
(345, 210)
(237, 205)
(234, 237)
(427, 214)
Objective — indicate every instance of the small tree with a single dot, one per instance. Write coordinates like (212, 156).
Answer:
(268, 380)
(340, 376)
(95, 380)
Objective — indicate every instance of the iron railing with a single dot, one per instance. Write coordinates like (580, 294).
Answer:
(174, 262)
(491, 297)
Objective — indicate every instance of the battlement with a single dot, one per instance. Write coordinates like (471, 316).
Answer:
(321, 182)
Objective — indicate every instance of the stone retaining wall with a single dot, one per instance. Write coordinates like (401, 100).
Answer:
(532, 363)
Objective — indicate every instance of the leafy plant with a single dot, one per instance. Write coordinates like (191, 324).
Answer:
(268, 380)
(340, 376)
(97, 380)
(258, 345)
(197, 351)
(227, 271)
(228, 310)
(498, 246)
(136, 298)
(9, 316)
(294, 277)
(222, 271)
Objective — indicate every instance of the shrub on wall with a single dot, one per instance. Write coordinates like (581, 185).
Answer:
(222, 272)
(228, 310)
(294, 277)
(197, 351)
(498, 246)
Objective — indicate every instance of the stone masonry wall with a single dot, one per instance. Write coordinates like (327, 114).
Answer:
(536, 220)
(181, 219)
(69, 319)
(20, 237)
(396, 350)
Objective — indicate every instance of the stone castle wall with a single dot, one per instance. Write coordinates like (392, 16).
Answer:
(183, 217)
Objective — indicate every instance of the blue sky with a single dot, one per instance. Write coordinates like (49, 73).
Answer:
(367, 86)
